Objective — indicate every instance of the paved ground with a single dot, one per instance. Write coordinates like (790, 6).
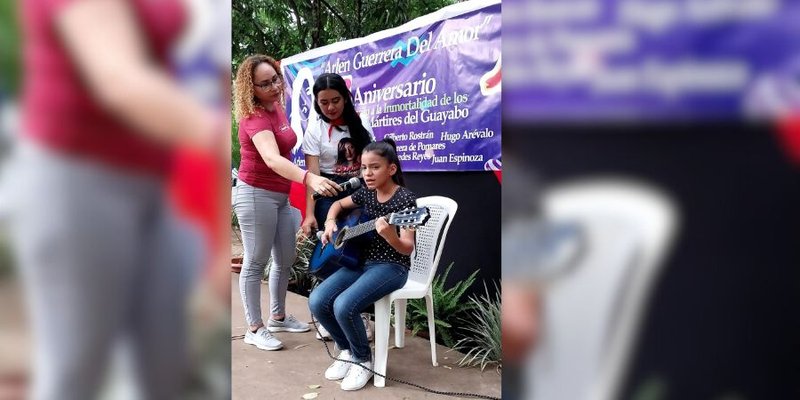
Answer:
(288, 373)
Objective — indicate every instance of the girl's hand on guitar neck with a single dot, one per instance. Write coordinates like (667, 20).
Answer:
(384, 229)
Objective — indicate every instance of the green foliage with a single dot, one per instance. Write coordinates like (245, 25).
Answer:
(6, 258)
(9, 48)
(655, 387)
(448, 307)
(481, 344)
(300, 275)
(282, 28)
(236, 154)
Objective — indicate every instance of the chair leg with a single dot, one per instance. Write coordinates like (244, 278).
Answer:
(431, 327)
(400, 323)
(382, 308)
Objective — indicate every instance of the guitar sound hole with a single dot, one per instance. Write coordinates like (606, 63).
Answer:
(339, 242)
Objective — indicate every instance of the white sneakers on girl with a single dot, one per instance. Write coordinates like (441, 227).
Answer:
(358, 376)
(370, 328)
(322, 333)
(339, 369)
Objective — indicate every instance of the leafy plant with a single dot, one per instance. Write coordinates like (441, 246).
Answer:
(236, 147)
(235, 222)
(305, 247)
(482, 342)
(448, 307)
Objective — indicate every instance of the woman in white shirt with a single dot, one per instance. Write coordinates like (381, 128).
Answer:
(333, 143)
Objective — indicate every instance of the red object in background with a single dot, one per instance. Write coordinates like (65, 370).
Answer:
(494, 80)
(499, 175)
(297, 197)
(789, 132)
(196, 187)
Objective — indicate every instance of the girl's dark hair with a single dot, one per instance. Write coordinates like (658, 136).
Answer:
(358, 133)
(387, 149)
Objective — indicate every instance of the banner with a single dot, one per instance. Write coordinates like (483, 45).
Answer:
(651, 60)
(432, 84)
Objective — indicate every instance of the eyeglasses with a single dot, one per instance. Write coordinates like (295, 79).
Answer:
(274, 82)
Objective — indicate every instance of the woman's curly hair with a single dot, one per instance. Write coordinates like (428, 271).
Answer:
(244, 100)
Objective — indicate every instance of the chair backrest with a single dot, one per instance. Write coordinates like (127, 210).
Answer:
(430, 237)
(591, 315)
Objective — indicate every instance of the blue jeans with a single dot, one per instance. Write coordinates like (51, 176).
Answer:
(337, 302)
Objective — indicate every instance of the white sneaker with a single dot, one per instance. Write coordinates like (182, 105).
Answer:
(323, 333)
(262, 339)
(368, 326)
(289, 324)
(339, 369)
(357, 377)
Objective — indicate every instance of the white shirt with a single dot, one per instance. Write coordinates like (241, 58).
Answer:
(317, 143)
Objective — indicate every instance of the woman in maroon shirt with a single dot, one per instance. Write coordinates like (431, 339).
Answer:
(261, 202)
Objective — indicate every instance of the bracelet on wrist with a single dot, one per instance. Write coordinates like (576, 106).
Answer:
(305, 177)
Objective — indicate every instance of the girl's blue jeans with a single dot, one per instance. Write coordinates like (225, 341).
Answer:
(337, 302)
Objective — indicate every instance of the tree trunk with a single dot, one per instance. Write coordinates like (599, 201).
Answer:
(359, 19)
(316, 32)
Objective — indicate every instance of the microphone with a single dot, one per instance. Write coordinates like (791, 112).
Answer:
(353, 183)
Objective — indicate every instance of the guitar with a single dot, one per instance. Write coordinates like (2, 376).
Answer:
(344, 252)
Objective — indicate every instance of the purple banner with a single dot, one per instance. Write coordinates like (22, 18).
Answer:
(432, 84)
(618, 59)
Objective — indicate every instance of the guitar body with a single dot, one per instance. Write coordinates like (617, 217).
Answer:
(354, 233)
(327, 259)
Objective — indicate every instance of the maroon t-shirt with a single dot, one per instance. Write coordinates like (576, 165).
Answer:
(253, 170)
(60, 112)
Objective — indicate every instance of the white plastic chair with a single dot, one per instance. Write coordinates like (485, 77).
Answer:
(424, 261)
(591, 314)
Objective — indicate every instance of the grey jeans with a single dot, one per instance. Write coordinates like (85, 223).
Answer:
(103, 259)
(268, 223)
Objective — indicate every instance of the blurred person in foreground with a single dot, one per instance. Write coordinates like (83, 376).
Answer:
(104, 259)
(520, 298)
(534, 249)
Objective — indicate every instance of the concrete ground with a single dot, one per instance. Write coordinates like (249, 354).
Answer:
(291, 372)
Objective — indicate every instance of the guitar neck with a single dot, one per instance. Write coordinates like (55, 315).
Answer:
(406, 218)
(360, 229)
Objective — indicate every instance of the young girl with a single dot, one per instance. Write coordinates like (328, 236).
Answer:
(338, 300)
